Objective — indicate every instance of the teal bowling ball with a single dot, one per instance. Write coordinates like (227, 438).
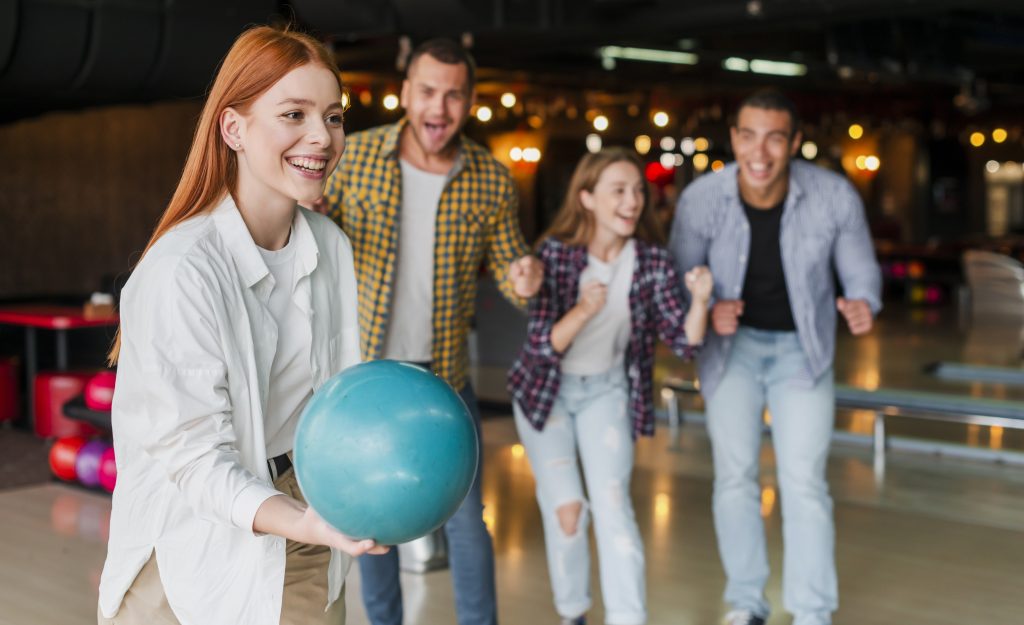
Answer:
(385, 450)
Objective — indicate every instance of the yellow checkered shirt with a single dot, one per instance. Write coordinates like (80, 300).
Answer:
(477, 221)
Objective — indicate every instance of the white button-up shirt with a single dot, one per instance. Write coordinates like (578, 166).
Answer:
(197, 345)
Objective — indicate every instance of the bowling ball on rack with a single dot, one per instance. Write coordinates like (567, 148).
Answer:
(108, 470)
(99, 390)
(87, 464)
(63, 455)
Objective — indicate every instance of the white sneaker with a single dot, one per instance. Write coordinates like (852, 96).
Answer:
(742, 617)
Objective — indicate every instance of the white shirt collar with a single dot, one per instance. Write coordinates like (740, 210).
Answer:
(246, 255)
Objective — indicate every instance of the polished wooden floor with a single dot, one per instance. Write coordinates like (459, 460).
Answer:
(939, 541)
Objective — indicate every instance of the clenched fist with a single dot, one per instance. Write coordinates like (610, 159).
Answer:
(725, 316)
(526, 274)
(593, 295)
(857, 313)
(699, 283)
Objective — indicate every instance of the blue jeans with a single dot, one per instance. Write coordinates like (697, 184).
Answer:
(590, 417)
(766, 367)
(470, 555)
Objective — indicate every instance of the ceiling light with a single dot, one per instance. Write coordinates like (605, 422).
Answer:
(642, 144)
(777, 68)
(647, 54)
(736, 64)
(764, 66)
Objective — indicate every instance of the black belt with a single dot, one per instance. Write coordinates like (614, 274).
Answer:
(278, 466)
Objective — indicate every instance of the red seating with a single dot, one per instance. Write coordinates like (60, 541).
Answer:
(53, 389)
(9, 396)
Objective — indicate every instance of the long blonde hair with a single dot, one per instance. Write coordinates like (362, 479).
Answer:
(574, 224)
(259, 58)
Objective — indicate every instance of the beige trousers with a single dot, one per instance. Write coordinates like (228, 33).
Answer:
(305, 585)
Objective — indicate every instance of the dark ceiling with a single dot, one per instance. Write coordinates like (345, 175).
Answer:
(961, 55)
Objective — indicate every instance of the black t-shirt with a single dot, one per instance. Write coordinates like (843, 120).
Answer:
(765, 298)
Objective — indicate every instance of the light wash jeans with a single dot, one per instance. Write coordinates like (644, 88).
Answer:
(470, 554)
(589, 416)
(770, 367)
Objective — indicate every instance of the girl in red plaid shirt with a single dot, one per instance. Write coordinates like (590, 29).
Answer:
(582, 382)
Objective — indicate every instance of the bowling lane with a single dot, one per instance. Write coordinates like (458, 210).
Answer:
(894, 355)
(53, 539)
(940, 541)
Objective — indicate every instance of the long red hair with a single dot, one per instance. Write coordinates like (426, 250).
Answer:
(259, 58)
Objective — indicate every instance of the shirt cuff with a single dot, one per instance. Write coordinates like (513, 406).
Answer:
(874, 301)
(247, 502)
(550, 352)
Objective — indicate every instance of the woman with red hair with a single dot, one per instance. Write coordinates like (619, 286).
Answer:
(243, 303)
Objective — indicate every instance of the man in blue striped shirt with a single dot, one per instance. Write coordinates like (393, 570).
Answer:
(772, 229)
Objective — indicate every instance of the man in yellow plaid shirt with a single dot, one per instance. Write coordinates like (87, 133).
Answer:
(424, 206)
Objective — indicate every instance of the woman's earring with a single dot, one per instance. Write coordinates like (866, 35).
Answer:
(237, 145)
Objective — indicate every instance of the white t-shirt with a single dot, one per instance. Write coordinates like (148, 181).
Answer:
(410, 332)
(291, 377)
(601, 344)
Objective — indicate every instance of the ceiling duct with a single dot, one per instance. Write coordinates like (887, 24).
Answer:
(50, 40)
(123, 45)
(79, 51)
(444, 17)
(343, 17)
(195, 37)
(8, 23)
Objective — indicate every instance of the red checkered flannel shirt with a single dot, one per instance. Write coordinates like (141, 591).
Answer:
(656, 307)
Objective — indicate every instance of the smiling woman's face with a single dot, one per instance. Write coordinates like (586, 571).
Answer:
(617, 200)
(291, 136)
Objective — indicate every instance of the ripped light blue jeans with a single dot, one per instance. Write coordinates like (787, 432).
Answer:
(590, 418)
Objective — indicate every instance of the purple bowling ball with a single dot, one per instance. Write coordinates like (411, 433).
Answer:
(87, 464)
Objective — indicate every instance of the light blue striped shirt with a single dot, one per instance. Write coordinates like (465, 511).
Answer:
(823, 226)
